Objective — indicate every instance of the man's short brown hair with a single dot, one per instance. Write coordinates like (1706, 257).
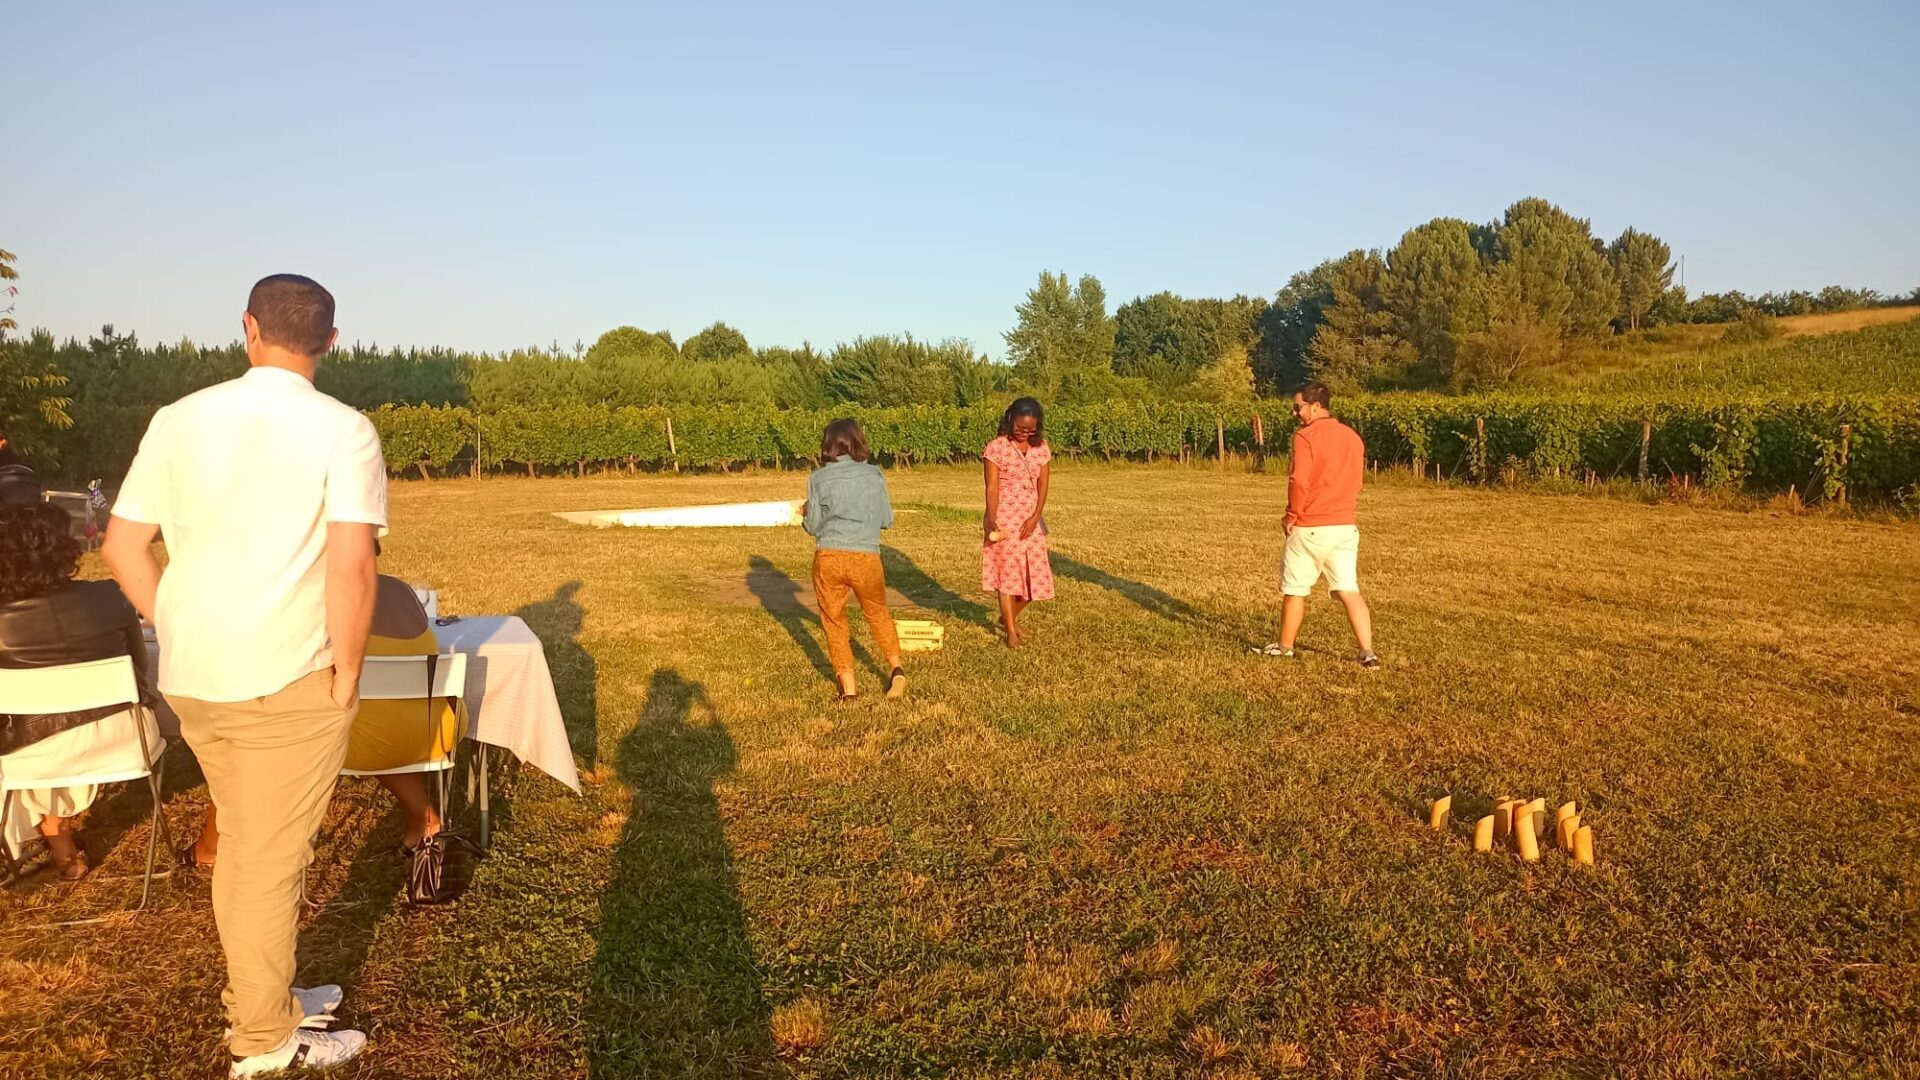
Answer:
(294, 313)
(1317, 393)
(843, 438)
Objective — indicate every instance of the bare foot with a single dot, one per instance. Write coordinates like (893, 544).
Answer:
(69, 862)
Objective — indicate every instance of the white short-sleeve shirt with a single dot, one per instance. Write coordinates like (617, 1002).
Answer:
(242, 478)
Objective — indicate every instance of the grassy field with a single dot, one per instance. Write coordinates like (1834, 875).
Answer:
(1132, 850)
(1865, 352)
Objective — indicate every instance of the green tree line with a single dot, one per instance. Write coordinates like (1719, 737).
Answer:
(1452, 306)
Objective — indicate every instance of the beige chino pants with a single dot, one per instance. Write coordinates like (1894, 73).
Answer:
(270, 765)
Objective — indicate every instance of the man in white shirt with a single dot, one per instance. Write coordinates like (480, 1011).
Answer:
(268, 495)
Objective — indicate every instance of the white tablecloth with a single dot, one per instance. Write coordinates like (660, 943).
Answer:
(510, 696)
(510, 692)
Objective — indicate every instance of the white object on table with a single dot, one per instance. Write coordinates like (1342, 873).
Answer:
(510, 695)
(429, 599)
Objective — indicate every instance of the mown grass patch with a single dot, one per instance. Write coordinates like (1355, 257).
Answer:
(1133, 849)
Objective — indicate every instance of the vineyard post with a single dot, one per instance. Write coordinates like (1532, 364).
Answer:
(1846, 446)
(1259, 443)
(673, 448)
(478, 464)
(1646, 440)
(1220, 433)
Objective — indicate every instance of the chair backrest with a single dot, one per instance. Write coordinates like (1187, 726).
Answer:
(72, 687)
(404, 678)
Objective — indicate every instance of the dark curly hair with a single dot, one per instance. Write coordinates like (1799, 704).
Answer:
(38, 553)
(1025, 407)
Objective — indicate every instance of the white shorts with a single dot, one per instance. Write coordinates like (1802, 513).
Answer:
(1312, 550)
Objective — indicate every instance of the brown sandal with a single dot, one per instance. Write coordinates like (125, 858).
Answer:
(73, 868)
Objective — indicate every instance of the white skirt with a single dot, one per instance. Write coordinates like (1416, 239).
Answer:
(106, 749)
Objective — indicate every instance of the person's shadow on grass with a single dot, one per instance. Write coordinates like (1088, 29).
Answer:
(335, 945)
(1152, 600)
(675, 989)
(557, 622)
(923, 590)
(782, 597)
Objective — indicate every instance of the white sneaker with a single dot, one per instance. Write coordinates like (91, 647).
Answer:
(302, 1050)
(316, 1006)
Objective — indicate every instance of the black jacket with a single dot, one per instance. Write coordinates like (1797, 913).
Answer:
(87, 620)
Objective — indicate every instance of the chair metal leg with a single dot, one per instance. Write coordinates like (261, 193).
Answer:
(486, 807)
(156, 830)
(13, 864)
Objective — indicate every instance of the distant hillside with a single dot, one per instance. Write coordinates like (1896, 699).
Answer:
(1816, 354)
(1841, 321)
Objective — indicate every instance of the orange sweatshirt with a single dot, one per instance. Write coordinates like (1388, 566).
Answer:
(1323, 481)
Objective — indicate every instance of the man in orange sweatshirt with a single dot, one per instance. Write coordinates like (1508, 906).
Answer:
(1323, 537)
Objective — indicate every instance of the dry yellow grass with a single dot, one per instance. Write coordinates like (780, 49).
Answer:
(800, 1027)
(1132, 849)
(1840, 322)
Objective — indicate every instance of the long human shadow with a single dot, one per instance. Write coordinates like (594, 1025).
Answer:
(1154, 601)
(779, 596)
(675, 990)
(334, 946)
(920, 587)
(557, 622)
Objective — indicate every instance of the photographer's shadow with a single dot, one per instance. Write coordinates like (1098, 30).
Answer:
(675, 987)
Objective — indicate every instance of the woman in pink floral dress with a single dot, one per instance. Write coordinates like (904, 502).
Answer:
(1013, 562)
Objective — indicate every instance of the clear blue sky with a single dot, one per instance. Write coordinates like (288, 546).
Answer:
(485, 176)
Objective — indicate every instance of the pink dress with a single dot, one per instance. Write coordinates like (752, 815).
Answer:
(1015, 566)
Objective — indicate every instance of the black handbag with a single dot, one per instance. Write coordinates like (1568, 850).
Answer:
(427, 875)
(429, 880)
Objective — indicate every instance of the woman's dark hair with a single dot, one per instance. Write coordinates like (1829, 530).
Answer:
(843, 438)
(38, 553)
(1025, 406)
(19, 486)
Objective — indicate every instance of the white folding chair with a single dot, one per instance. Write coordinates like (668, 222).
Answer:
(406, 678)
(125, 745)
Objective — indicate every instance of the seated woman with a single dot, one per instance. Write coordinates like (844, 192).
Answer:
(385, 734)
(48, 619)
